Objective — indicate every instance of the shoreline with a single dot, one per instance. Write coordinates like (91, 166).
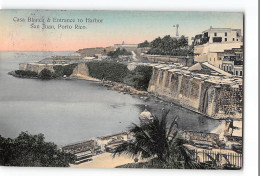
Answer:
(125, 89)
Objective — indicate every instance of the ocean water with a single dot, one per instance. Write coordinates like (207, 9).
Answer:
(68, 111)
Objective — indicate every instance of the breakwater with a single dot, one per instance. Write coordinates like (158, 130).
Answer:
(215, 96)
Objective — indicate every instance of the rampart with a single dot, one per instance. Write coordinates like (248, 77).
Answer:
(214, 96)
(182, 60)
(36, 67)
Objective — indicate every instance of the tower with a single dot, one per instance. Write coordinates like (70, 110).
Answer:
(177, 26)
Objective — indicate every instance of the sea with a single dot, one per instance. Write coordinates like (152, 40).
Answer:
(69, 111)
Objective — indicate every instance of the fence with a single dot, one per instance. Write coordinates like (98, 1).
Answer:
(232, 160)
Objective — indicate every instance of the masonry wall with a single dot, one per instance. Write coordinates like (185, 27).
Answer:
(35, 67)
(183, 60)
(197, 95)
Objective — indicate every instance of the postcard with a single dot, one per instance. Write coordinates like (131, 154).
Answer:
(121, 89)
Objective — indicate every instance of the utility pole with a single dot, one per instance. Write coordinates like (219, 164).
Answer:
(177, 26)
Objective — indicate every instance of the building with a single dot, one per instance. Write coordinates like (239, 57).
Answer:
(215, 40)
(216, 59)
(128, 47)
(230, 61)
(218, 35)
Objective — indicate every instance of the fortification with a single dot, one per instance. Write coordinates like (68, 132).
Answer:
(215, 96)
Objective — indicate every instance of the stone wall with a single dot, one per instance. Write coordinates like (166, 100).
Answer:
(36, 67)
(80, 70)
(217, 97)
(183, 60)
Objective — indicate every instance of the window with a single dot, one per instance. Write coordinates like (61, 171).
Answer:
(225, 33)
(237, 39)
(215, 34)
(233, 39)
(217, 39)
(237, 34)
(240, 73)
(236, 72)
(225, 39)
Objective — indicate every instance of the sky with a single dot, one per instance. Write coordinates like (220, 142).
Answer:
(132, 27)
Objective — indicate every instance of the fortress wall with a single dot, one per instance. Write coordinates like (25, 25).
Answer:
(197, 94)
(80, 69)
(35, 67)
(185, 61)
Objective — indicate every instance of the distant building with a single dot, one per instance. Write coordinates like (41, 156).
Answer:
(128, 47)
(91, 52)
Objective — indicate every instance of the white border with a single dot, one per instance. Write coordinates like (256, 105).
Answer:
(249, 7)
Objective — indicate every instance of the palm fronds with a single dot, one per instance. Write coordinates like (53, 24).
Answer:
(165, 146)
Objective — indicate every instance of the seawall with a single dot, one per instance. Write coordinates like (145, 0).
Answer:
(214, 96)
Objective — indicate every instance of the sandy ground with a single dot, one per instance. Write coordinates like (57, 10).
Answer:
(105, 160)
(85, 77)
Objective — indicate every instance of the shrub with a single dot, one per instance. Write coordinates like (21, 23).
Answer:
(32, 150)
(112, 71)
(118, 52)
(60, 71)
(139, 78)
(26, 73)
(46, 74)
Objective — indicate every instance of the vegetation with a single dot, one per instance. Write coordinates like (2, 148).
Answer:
(168, 46)
(25, 73)
(139, 78)
(60, 71)
(46, 74)
(113, 71)
(32, 150)
(164, 147)
(118, 52)
(144, 44)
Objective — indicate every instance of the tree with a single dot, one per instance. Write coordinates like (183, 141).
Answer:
(165, 146)
(32, 150)
(144, 44)
(118, 52)
(45, 74)
(182, 42)
(170, 46)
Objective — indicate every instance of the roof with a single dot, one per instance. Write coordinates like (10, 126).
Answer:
(220, 29)
(196, 66)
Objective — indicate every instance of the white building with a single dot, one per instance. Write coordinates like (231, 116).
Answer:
(218, 35)
(215, 40)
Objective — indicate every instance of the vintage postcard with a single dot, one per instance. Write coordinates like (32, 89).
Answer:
(121, 89)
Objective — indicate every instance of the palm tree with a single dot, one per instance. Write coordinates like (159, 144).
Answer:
(165, 147)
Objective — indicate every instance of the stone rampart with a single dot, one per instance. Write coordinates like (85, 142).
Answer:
(214, 96)
(36, 67)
